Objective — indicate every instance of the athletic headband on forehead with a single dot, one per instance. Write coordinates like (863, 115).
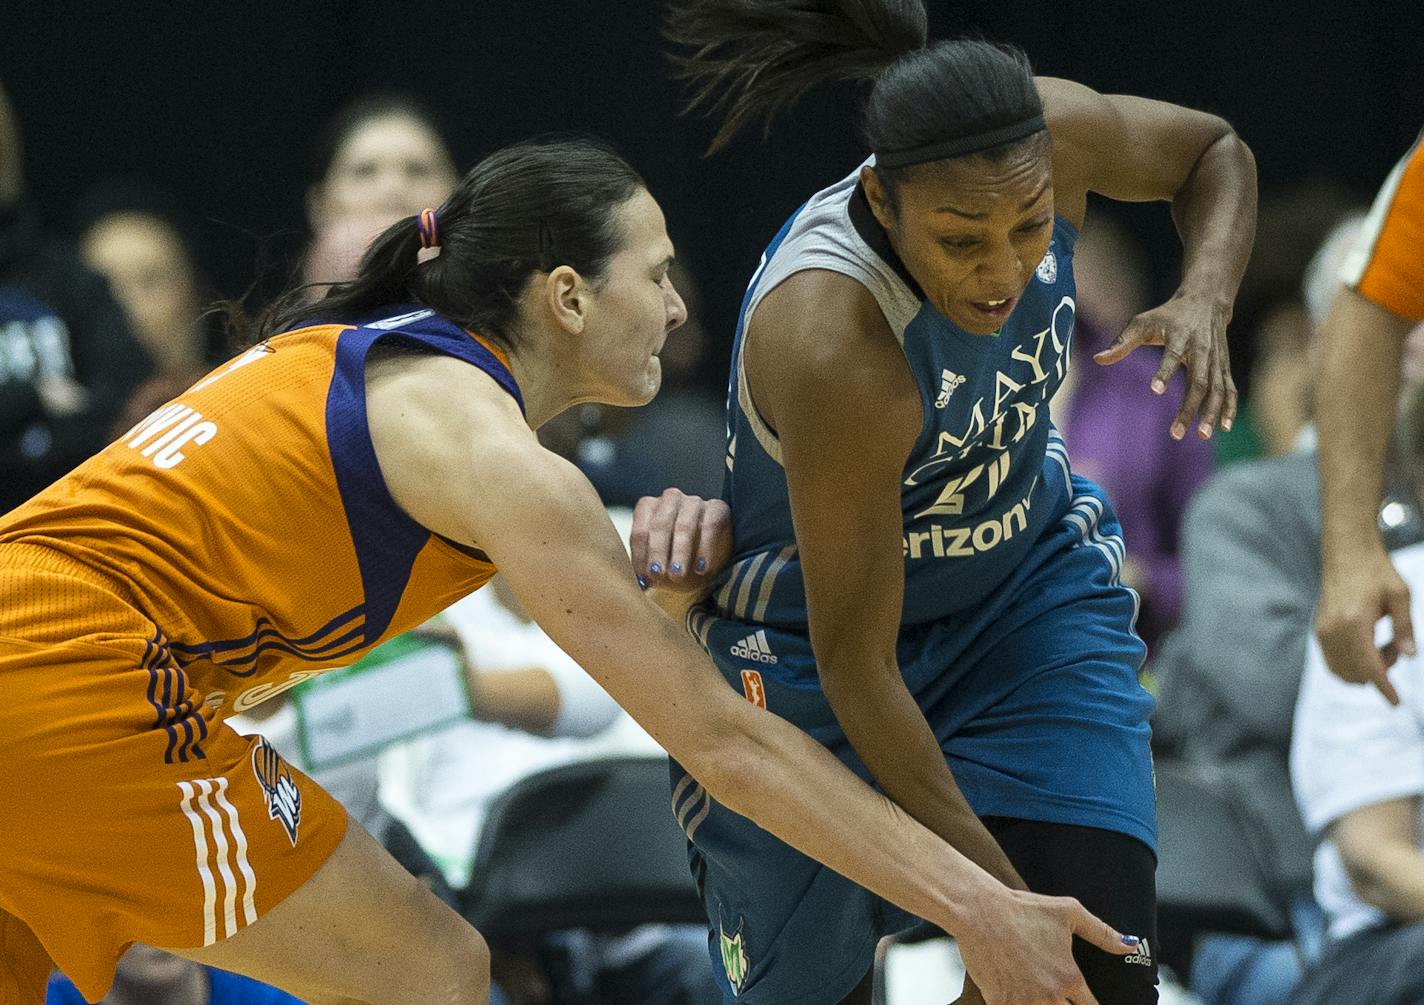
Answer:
(429, 228)
(959, 146)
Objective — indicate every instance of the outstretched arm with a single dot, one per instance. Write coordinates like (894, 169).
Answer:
(1138, 150)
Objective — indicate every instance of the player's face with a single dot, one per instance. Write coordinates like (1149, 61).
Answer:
(972, 231)
(390, 166)
(634, 308)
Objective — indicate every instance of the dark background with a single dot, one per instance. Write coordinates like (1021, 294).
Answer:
(219, 104)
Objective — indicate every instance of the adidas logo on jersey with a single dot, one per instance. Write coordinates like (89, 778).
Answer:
(948, 382)
(755, 648)
(1142, 957)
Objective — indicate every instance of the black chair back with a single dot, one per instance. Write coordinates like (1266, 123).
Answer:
(592, 845)
(1212, 874)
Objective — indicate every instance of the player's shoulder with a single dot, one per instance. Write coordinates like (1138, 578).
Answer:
(826, 324)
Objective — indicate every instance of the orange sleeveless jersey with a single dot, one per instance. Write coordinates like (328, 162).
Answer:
(1387, 264)
(234, 543)
(248, 519)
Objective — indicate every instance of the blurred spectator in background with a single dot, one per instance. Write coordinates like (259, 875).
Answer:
(67, 358)
(1230, 673)
(380, 159)
(131, 237)
(1116, 434)
(1357, 764)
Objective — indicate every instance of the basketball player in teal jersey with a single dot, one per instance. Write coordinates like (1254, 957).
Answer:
(919, 581)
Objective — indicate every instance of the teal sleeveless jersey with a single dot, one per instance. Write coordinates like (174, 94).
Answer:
(987, 475)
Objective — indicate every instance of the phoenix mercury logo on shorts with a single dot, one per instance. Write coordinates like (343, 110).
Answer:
(284, 799)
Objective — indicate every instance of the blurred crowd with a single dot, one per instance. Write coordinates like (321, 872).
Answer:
(106, 314)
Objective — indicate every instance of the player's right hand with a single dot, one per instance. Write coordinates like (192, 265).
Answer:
(1021, 951)
(680, 542)
(1354, 595)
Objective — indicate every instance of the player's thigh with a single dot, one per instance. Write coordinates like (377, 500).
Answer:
(1112, 875)
(360, 929)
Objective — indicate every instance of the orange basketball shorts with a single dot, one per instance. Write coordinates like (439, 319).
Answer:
(128, 811)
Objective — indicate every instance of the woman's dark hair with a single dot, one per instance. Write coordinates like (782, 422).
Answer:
(377, 105)
(527, 208)
(753, 58)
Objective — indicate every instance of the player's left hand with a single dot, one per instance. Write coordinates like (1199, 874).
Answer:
(1192, 333)
(680, 542)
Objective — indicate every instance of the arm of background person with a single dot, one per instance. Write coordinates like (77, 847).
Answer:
(542, 523)
(552, 697)
(847, 412)
(1379, 845)
(1357, 392)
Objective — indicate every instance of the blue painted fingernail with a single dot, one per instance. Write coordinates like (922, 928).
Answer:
(702, 565)
(1130, 940)
(656, 568)
(676, 569)
(643, 582)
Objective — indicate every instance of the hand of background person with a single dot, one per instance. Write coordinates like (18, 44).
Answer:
(61, 396)
(1354, 595)
(679, 544)
(1021, 952)
(1192, 333)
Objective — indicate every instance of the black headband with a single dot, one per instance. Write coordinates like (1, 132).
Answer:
(960, 145)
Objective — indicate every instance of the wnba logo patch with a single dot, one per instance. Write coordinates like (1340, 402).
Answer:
(754, 688)
(284, 799)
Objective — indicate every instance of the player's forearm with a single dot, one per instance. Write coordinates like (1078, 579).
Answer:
(890, 733)
(1356, 395)
(1215, 213)
(786, 783)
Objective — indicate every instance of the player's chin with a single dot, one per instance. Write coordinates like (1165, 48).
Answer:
(651, 382)
(641, 389)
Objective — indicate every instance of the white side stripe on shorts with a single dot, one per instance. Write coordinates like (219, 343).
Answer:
(207, 822)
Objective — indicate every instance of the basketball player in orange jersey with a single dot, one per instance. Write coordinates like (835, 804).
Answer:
(369, 461)
(1362, 347)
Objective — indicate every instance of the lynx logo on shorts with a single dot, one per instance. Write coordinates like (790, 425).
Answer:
(1143, 956)
(284, 799)
(754, 688)
(734, 957)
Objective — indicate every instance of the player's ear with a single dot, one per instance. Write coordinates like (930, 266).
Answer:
(566, 297)
(882, 205)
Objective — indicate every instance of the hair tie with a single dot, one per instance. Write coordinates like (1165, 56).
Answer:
(429, 228)
(959, 146)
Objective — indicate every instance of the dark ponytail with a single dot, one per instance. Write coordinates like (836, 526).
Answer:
(754, 57)
(527, 208)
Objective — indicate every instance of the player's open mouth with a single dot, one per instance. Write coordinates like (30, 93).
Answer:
(998, 310)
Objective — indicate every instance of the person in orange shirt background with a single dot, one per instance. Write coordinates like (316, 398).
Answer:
(1362, 349)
